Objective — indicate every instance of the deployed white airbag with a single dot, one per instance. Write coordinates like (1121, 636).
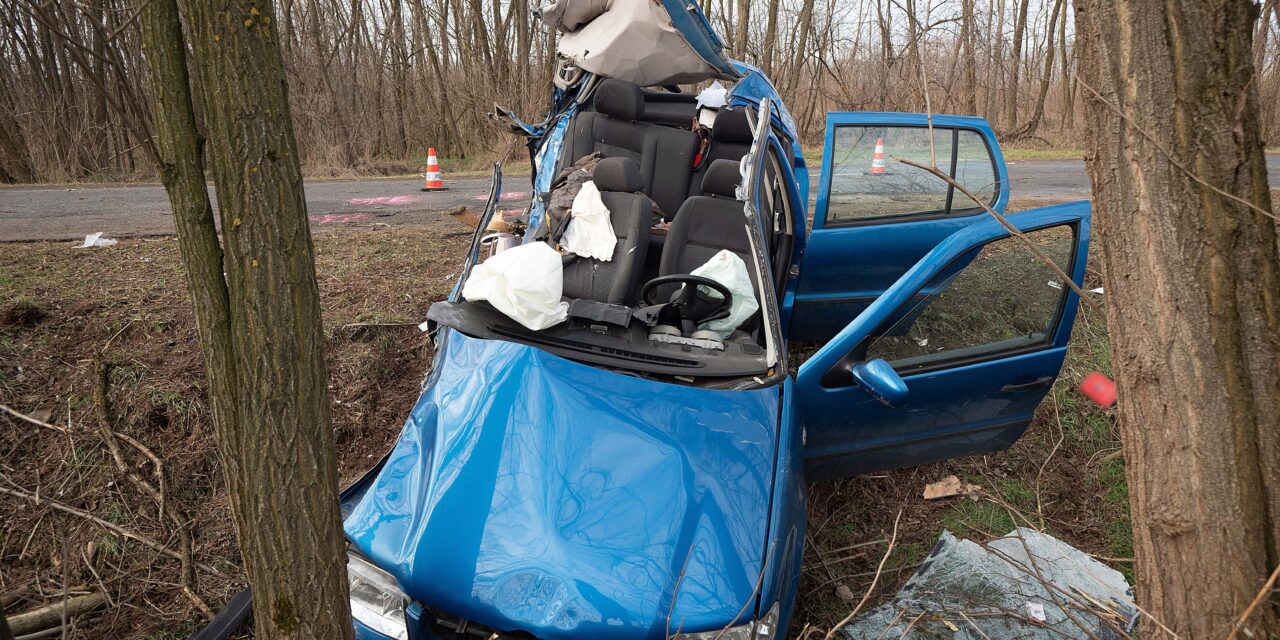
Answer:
(630, 40)
(729, 270)
(590, 231)
(524, 283)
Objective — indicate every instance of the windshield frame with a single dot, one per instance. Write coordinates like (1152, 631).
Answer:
(751, 168)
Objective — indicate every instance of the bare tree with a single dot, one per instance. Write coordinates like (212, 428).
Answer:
(257, 305)
(1192, 275)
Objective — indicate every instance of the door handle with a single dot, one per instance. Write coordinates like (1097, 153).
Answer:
(1027, 386)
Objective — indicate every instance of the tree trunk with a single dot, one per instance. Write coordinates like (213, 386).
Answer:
(1067, 80)
(970, 64)
(1015, 64)
(995, 65)
(740, 34)
(1037, 112)
(1193, 287)
(274, 433)
(770, 36)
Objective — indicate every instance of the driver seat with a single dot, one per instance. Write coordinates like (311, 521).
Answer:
(708, 224)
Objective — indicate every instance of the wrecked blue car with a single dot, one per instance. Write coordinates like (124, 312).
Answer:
(636, 471)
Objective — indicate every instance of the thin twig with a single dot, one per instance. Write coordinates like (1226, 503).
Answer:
(975, 626)
(1169, 156)
(1257, 600)
(1008, 226)
(26, 418)
(893, 539)
(109, 526)
(675, 591)
(1062, 435)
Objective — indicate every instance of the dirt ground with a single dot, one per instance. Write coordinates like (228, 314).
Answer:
(63, 309)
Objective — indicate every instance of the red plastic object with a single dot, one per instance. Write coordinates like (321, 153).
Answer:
(1099, 389)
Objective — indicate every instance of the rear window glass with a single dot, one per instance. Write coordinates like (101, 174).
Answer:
(869, 181)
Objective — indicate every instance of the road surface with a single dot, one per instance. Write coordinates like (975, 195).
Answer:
(63, 213)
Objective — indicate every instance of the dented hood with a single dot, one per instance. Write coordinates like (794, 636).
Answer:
(648, 42)
(529, 492)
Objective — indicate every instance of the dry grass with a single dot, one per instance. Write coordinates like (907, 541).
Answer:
(61, 307)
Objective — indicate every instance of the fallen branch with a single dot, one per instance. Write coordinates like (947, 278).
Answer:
(53, 613)
(109, 526)
(26, 418)
(1004, 222)
(106, 418)
(893, 539)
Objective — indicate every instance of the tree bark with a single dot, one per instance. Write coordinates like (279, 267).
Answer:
(770, 36)
(265, 351)
(1193, 287)
(970, 64)
(1015, 64)
(1037, 112)
(740, 34)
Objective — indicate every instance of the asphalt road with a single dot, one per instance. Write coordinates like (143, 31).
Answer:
(62, 213)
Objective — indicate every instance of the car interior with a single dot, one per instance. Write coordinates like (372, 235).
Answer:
(671, 190)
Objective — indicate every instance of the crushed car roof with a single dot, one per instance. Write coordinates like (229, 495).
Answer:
(649, 43)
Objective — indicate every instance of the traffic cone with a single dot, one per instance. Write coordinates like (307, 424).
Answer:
(432, 181)
(877, 160)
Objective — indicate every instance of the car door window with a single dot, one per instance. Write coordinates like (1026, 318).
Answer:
(998, 298)
(868, 182)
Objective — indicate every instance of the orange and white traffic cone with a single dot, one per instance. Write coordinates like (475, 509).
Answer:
(431, 179)
(877, 160)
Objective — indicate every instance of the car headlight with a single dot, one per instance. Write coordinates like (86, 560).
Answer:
(766, 628)
(376, 600)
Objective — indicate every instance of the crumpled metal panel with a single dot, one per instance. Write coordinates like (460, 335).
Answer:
(545, 161)
(529, 492)
(648, 43)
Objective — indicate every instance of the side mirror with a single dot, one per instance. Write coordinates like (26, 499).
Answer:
(879, 380)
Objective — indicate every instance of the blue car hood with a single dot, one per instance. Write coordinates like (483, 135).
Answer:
(529, 492)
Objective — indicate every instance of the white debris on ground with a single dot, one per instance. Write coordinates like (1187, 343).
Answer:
(1026, 585)
(96, 240)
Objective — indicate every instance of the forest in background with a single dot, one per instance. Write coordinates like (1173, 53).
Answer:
(374, 83)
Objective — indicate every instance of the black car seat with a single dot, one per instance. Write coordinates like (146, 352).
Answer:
(615, 129)
(615, 281)
(730, 140)
(708, 224)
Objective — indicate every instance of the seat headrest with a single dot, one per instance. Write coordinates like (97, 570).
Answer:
(620, 99)
(722, 178)
(618, 174)
(731, 126)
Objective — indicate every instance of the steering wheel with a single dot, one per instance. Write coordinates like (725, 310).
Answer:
(686, 301)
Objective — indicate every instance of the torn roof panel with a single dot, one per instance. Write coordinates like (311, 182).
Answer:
(648, 42)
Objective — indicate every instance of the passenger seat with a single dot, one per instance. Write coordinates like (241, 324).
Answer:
(664, 154)
(615, 281)
(730, 140)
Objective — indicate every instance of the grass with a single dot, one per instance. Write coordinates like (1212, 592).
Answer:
(60, 308)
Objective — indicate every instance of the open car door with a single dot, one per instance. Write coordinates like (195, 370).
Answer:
(875, 216)
(953, 358)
